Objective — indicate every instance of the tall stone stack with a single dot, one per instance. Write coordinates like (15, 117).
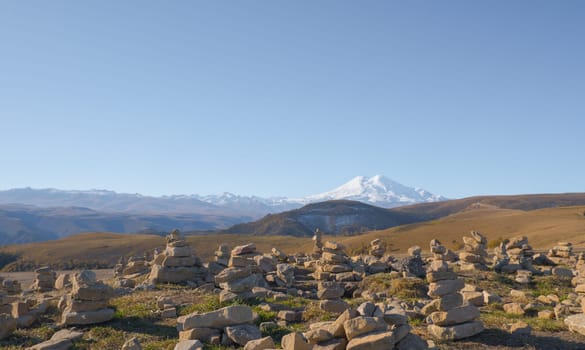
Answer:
(44, 280)
(221, 258)
(318, 245)
(329, 294)
(475, 252)
(500, 258)
(88, 302)
(241, 275)
(177, 263)
(520, 254)
(576, 323)
(334, 264)
(451, 318)
(377, 249)
(376, 261)
(222, 255)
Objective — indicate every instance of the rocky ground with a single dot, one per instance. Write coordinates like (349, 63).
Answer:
(326, 300)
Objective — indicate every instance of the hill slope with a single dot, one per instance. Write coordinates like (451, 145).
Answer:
(332, 217)
(21, 224)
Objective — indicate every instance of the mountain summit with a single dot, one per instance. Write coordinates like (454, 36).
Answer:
(377, 190)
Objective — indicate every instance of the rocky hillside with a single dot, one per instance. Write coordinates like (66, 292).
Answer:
(333, 217)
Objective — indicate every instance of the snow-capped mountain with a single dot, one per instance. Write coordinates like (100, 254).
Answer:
(377, 190)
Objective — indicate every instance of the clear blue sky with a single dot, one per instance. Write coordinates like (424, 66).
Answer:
(292, 97)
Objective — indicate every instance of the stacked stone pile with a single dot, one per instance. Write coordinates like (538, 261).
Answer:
(177, 263)
(376, 261)
(475, 252)
(335, 265)
(27, 311)
(329, 294)
(371, 326)
(88, 302)
(576, 323)
(7, 325)
(520, 255)
(451, 318)
(44, 280)
(500, 258)
(241, 275)
(232, 325)
(318, 246)
(221, 258)
(136, 266)
(561, 253)
(10, 287)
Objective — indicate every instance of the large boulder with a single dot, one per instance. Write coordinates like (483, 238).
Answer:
(227, 316)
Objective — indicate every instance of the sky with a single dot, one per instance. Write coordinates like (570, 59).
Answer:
(291, 98)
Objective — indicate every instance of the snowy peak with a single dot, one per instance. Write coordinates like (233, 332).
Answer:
(377, 190)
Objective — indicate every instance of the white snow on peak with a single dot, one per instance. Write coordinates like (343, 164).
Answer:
(377, 190)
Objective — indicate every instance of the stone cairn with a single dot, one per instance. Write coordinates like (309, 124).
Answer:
(177, 263)
(561, 253)
(520, 254)
(370, 326)
(232, 325)
(44, 280)
(412, 265)
(241, 275)
(576, 323)
(475, 252)
(376, 261)
(318, 246)
(8, 323)
(500, 258)
(221, 258)
(336, 272)
(88, 301)
(10, 287)
(450, 318)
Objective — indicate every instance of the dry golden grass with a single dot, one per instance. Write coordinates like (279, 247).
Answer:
(543, 227)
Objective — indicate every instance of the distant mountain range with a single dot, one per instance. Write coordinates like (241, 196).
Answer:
(377, 190)
(28, 214)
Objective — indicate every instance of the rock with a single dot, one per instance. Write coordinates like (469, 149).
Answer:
(546, 314)
(520, 328)
(242, 334)
(69, 334)
(454, 316)
(562, 272)
(227, 316)
(318, 335)
(440, 288)
(363, 325)
(414, 251)
(132, 344)
(456, 332)
(203, 334)
(87, 317)
(58, 344)
(63, 281)
(576, 323)
(333, 344)
(373, 341)
(435, 276)
(330, 290)
(244, 249)
(295, 341)
(260, 344)
(514, 308)
(474, 298)
(7, 325)
(366, 309)
(412, 342)
(189, 345)
(335, 306)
